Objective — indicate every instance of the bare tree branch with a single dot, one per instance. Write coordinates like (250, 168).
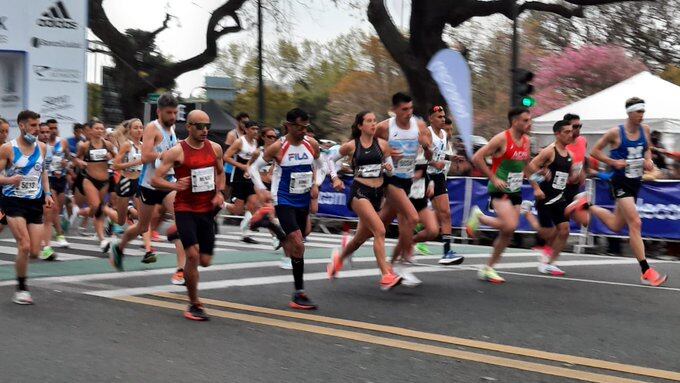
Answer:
(552, 8)
(101, 26)
(162, 27)
(601, 2)
(394, 41)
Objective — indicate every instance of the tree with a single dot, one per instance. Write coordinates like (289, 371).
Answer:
(577, 73)
(427, 23)
(139, 68)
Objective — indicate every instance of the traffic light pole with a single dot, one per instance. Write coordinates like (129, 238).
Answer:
(514, 99)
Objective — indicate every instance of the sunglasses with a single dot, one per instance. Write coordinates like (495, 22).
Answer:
(270, 136)
(577, 126)
(200, 125)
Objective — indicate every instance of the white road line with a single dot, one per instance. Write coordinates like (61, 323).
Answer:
(348, 274)
(60, 255)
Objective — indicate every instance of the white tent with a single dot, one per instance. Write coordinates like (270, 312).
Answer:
(606, 109)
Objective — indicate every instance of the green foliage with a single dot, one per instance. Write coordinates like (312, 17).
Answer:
(94, 100)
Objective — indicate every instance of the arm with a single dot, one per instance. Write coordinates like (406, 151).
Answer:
(230, 153)
(544, 158)
(80, 156)
(261, 162)
(6, 159)
(382, 129)
(169, 159)
(649, 164)
(148, 143)
(607, 139)
(388, 165)
(425, 139)
(497, 144)
(220, 177)
(45, 181)
(118, 163)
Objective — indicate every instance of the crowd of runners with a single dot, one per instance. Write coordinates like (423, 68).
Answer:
(127, 180)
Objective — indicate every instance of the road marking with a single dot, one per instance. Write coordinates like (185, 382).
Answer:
(544, 369)
(520, 351)
(259, 281)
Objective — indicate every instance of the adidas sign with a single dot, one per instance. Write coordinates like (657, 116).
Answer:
(57, 16)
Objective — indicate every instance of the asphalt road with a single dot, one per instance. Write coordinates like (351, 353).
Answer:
(90, 324)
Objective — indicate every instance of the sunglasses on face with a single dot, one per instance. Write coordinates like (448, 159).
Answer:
(270, 136)
(200, 125)
(577, 126)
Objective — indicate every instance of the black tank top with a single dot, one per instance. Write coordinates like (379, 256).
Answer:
(554, 188)
(367, 163)
(96, 154)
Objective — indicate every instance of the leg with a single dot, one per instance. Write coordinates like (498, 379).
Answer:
(560, 239)
(371, 222)
(142, 225)
(168, 203)
(94, 198)
(442, 208)
(19, 229)
(506, 222)
(429, 219)
(35, 233)
(632, 218)
(614, 221)
(191, 273)
(407, 217)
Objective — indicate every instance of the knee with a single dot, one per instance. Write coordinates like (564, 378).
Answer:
(635, 225)
(431, 232)
(563, 231)
(379, 232)
(206, 261)
(192, 254)
(411, 220)
(24, 245)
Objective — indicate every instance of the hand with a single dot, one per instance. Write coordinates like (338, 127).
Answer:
(49, 202)
(619, 164)
(183, 183)
(388, 167)
(499, 183)
(338, 184)
(14, 180)
(649, 165)
(218, 199)
(539, 195)
(439, 165)
(314, 192)
(429, 193)
(264, 195)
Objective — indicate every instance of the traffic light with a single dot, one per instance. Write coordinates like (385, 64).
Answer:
(523, 88)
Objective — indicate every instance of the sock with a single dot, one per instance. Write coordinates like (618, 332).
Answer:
(446, 238)
(644, 266)
(298, 271)
(21, 284)
(245, 223)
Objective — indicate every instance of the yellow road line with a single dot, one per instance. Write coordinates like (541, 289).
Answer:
(527, 352)
(400, 344)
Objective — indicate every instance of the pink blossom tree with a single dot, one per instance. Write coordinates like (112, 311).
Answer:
(575, 73)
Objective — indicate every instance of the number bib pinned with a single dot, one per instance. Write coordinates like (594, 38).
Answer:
(203, 179)
(369, 171)
(634, 168)
(560, 180)
(300, 182)
(514, 181)
(28, 186)
(98, 154)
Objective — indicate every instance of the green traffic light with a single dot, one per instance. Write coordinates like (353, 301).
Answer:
(528, 101)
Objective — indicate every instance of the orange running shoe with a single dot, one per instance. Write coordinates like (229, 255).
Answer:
(652, 277)
(196, 312)
(155, 236)
(389, 281)
(335, 265)
(178, 278)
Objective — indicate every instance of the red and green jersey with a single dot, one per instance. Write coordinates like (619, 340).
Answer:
(510, 166)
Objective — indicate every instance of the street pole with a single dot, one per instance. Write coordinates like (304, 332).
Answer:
(260, 80)
(515, 56)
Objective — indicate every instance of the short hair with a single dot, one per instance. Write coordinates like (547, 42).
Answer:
(571, 116)
(241, 116)
(167, 100)
(250, 124)
(447, 121)
(43, 124)
(51, 121)
(400, 98)
(516, 112)
(25, 115)
(296, 113)
(557, 127)
(93, 122)
(77, 126)
(633, 101)
(3, 121)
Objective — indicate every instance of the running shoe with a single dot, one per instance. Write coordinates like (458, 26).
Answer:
(177, 278)
(335, 265)
(422, 249)
(526, 207)
(286, 263)
(652, 277)
(47, 254)
(276, 244)
(451, 258)
(389, 281)
(546, 268)
(261, 218)
(74, 215)
(22, 297)
(300, 301)
(60, 241)
(149, 257)
(250, 240)
(408, 279)
(488, 274)
(472, 224)
(196, 312)
(117, 229)
(116, 257)
(155, 236)
(580, 202)
(65, 224)
(171, 234)
(105, 245)
(109, 229)
(545, 253)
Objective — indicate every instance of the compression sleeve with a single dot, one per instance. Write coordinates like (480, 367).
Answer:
(254, 172)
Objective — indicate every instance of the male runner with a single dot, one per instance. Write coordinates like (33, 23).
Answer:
(159, 136)
(198, 167)
(293, 185)
(553, 226)
(511, 151)
(25, 190)
(4, 132)
(232, 136)
(630, 156)
(58, 154)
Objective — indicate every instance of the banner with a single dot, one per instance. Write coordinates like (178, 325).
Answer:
(451, 72)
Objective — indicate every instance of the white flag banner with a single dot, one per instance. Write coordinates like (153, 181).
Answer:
(452, 74)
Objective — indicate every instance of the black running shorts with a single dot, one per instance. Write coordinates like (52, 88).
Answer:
(401, 183)
(58, 184)
(551, 215)
(152, 196)
(624, 188)
(440, 186)
(515, 198)
(29, 209)
(242, 190)
(127, 187)
(361, 191)
(292, 218)
(196, 228)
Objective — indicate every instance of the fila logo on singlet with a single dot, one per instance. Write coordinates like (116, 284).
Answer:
(297, 156)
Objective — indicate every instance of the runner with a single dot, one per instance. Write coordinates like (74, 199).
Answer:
(198, 166)
(93, 156)
(555, 162)
(57, 158)
(232, 136)
(245, 200)
(4, 132)
(630, 156)
(25, 190)
(158, 137)
(47, 253)
(436, 173)
(369, 156)
(511, 151)
(128, 162)
(292, 188)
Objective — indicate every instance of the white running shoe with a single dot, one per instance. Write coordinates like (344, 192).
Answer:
(546, 268)
(276, 243)
(22, 298)
(105, 245)
(286, 263)
(60, 241)
(407, 278)
(74, 215)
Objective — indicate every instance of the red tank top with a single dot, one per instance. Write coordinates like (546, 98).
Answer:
(199, 165)
(513, 152)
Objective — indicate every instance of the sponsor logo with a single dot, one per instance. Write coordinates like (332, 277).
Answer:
(297, 156)
(48, 73)
(51, 104)
(60, 117)
(57, 16)
(10, 98)
(37, 167)
(37, 42)
(330, 198)
(3, 20)
(658, 210)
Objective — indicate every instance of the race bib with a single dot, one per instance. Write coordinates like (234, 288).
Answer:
(300, 182)
(514, 181)
(133, 158)
(98, 154)
(418, 189)
(635, 168)
(576, 169)
(55, 164)
(202, 180)
(560, 180)
(405, 165)
(369, 171)
(28, 186)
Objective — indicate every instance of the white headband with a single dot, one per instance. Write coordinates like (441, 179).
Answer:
(636, 107)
